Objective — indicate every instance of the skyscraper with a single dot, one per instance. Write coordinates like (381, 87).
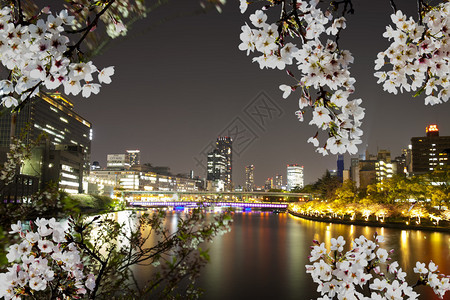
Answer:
(430, 152)
(268, 185)
(118, 161)
(217, 166)
(340, 166)
(224, 147)
(64, 156)
(249, 178)
(134, 156)
(294, 176)
(278, 181)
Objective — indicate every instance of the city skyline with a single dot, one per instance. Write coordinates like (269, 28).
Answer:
(176, 105)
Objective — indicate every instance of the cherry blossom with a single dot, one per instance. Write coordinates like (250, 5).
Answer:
(419, 54)
(322, 65)
(39, 55)
(357, 273)
(38, 262)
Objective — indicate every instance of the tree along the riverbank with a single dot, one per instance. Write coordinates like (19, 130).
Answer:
(431, 189)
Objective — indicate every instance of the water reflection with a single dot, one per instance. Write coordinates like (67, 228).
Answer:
(264, 255)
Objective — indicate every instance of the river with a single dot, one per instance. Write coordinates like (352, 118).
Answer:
(264, 255)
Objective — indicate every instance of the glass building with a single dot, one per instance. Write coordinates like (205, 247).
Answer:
(217, 166)
(134, 157)
(63, 155)
(224, 147)
(249, 178)
(430, 152)
(294, 176)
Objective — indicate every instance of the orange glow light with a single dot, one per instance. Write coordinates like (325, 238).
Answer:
(432, 128)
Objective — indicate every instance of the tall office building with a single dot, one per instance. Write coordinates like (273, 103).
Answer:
(134, 157)
(354, 170)
(217, 166)
(294, 176)
(268, 185)
(249, 178)
(340, 166)
(224, 147)
(118, 161)
(63, 156)
(278, 181)
(429, 152)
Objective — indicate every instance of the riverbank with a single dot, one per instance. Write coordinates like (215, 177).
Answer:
(385, 224)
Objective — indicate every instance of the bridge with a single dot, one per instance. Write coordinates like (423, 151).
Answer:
(302, 196)
(208, 198)
(216, 204)
(256, 193)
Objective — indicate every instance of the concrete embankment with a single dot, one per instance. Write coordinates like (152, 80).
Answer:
(387, 224)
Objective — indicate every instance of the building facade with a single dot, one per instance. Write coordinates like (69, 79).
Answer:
(217, 166)
(367, 173)
(340, 166)
(134, 157)
(294, 176)
(249, 178)
(268, 185)
(63, 156)
(429, 152)
(224, 147)
(278, 182)
(143, 181)
(118, 161)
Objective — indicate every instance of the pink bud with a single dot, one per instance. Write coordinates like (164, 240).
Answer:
(46, 10)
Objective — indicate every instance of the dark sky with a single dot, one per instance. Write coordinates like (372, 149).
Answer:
(181, 84)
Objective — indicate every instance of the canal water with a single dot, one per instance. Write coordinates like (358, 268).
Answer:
(264, 255)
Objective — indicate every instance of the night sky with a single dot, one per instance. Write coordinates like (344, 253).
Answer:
(181, 83)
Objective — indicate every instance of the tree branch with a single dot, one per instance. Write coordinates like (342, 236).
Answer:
(394, 7)
(69, 52)
(420, 9)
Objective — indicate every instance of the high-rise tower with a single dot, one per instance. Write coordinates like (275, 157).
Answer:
(430, 152)
(217, 166)
(224, 147)
(294, 176)
(249, 178)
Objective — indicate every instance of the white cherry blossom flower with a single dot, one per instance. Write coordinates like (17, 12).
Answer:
(286, 90)
(243, 5)
(338, 244)
(420, 268)
(258, 18)
(9, 101)
(89, 88)
(105, 74)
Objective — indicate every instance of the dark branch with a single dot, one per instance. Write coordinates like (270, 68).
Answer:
(69, 52)
(394, 7)
(420, 9)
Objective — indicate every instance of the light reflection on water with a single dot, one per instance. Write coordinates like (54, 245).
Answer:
(264, 255)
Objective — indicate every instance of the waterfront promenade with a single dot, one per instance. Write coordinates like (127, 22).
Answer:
(444, 226)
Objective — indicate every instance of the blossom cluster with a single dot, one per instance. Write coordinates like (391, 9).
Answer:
(323, 67)
(367, 267)
(44, 261)
(119, 11)
(38, 55)
(419, 54)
